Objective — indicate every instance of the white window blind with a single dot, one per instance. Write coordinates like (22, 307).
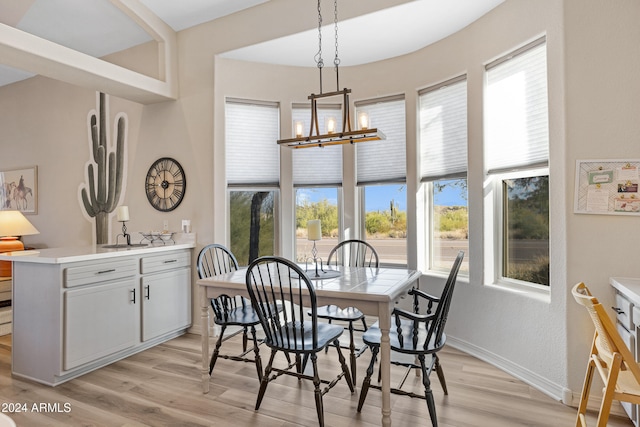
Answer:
(252, 153)
(443, 130)
(317, 166)
(517, 120)
(385, 160)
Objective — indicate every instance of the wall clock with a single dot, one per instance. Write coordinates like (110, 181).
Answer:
(165, 184)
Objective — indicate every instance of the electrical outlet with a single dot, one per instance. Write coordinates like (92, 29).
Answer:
(165, 225)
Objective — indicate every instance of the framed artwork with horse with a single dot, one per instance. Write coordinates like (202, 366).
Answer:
(19, 189)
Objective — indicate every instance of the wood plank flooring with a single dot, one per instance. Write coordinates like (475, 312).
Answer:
(161, 387)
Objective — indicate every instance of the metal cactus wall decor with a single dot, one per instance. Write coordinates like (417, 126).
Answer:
(105, 169)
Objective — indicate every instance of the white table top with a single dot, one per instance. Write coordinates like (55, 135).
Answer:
(363, 283)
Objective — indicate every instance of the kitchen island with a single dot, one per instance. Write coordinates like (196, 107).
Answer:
(78, 309)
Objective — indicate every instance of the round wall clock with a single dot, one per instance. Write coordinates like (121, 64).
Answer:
(165, 184)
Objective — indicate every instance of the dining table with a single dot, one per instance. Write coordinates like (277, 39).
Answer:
(373, 290)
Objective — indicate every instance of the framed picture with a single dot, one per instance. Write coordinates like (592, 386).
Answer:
(19, 189)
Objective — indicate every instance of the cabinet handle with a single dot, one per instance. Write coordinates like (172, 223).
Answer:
(170, 261)
(618, 310)
(107, 271)
(134, 295)
(148, 291)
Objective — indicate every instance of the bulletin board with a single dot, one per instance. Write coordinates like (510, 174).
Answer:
(607, 187)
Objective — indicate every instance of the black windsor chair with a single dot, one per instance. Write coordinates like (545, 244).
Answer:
(418, 335)
(273, 281)
(215, 259)
(350, 253)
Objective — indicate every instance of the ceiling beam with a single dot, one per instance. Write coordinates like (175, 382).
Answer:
(30, 53)
(161, 32)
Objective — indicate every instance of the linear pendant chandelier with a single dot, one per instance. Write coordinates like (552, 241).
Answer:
(331, 137)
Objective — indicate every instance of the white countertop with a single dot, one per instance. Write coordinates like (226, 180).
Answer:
(95, 252)
(630, 286)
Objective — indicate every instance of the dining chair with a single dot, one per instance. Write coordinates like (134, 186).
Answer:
(215, 259)
(350, 253)
(271, 281)
(419, 335)
(610, 357)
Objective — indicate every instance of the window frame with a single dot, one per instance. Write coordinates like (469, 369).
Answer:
(495, 233)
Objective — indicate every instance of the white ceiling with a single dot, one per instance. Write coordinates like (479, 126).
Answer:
(98, 28)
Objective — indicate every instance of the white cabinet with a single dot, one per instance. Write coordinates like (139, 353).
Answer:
(627, 308)
(99, 320)
(74, 317)
(166, 294)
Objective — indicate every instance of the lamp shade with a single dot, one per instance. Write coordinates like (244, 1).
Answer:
(14, 223)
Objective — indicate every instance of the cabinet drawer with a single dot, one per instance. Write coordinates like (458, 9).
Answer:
(99, 272)
(624, 307)
(168, 261)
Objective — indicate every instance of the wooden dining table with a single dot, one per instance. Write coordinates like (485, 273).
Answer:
(373, 290)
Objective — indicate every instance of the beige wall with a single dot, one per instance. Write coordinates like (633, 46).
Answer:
(593, 96)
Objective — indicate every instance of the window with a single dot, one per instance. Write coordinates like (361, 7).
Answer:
(251, 224)
(526, 229)
(317, 203)
(517, 156)
(385, 221)
(317, 178)
(443, 172)
(381, 175)
(252, 127)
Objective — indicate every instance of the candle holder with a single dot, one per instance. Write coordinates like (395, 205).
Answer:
(314, 257)
(124, 234)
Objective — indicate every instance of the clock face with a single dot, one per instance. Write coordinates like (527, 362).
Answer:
(165, 184)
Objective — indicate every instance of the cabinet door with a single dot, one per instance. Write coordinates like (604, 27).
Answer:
(99, 320)
(166, 302)
(629, 340)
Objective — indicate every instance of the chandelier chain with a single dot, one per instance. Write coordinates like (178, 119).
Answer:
(336, 60)
(318, 56)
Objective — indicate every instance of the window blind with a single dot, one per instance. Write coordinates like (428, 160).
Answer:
(317, 166)
(252, 154)
(383, 161)
(443, 130)
(517, 119)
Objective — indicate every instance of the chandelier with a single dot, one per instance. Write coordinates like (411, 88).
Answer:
(332, 136)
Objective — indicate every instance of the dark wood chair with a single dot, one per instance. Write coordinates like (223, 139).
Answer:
(215, 259)
(273, 281)
(416, 334)
(351, 253)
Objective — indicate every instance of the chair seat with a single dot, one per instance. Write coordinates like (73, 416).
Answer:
(239, 316)
(373, 336)
(627, 383)
(303, 334)
(336, 313)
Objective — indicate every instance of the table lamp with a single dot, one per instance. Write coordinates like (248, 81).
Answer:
(13, 225)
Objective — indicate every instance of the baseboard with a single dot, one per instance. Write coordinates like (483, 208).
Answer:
(551, 389)
(555, 391)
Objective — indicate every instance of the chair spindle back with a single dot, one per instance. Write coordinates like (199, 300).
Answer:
(273, 282)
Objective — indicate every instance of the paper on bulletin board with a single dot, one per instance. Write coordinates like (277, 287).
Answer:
(607, 187)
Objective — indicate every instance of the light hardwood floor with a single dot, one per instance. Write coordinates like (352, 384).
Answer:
(161, 387)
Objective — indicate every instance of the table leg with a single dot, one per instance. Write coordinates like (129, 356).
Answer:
(204, 337)
(385, 363)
